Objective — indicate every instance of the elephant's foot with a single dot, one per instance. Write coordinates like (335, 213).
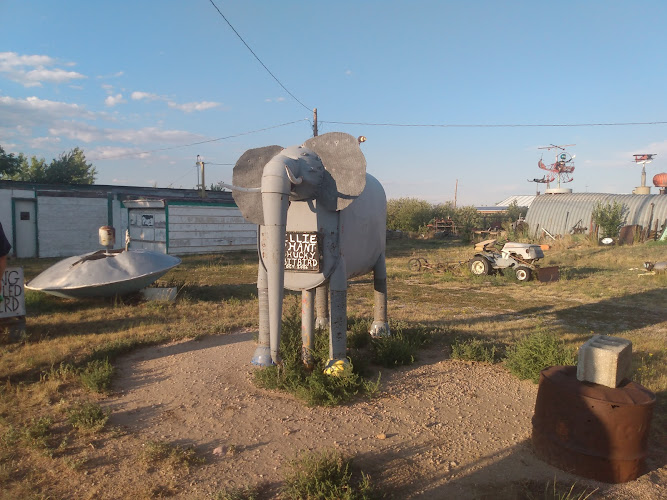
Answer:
(337, 367)
(322, 323)
(262, 356)
(380, 329)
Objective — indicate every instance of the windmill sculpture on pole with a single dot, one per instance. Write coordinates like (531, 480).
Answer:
(643, 158)
(559, 171)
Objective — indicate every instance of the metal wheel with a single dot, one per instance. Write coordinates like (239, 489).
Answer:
(414, 264)
(479, 266)
(523, 273)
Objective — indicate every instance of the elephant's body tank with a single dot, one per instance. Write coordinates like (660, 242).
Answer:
(356, 234)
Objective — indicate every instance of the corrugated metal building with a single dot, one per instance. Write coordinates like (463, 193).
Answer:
(559, 213)
(522, 200)
(42, 220)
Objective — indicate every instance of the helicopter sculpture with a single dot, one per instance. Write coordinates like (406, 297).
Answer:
(561, 169)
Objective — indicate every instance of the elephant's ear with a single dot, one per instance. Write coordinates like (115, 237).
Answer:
(248, 174)
(345, 164)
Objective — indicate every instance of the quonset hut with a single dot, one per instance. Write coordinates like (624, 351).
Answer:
(560, 213)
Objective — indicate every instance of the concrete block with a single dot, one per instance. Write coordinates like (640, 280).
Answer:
(604, 360)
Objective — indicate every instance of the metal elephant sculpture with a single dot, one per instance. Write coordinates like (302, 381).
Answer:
(321, 220)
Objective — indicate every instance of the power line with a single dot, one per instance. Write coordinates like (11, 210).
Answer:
(258, 59)
(199, 142)
(506, 125)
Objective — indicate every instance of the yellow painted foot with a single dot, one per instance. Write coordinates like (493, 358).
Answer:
(337, 367)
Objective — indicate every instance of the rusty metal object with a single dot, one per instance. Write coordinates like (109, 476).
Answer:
(589, 429)
(548, 274)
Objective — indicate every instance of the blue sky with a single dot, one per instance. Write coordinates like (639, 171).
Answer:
(132, 83)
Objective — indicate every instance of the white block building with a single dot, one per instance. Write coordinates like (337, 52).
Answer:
(42, 220)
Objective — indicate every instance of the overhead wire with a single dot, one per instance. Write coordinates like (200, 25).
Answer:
(256, 57)
(504, 125)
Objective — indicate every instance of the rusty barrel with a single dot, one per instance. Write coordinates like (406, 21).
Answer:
(591, 430)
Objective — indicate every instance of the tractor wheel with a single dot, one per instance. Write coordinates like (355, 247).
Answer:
(479, 266)
(414, 264)
(523, 273)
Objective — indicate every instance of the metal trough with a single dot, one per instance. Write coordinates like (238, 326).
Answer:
(103, 274)
(589, 429)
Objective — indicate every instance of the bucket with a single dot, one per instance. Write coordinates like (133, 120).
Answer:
(107, 236)
(591, 430)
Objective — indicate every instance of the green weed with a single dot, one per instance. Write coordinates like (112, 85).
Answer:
(97, 374)
(474, 350)
(87, 417)
(326, 475)
(38, 433)
(535, 352)
(314, 388)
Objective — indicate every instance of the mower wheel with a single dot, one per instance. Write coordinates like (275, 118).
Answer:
(479, 266)
(523, 273)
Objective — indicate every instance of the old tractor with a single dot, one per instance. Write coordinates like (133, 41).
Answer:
(521, 257)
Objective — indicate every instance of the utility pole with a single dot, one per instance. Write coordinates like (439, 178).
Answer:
(203, 181)
(315, 122)
(456, 192)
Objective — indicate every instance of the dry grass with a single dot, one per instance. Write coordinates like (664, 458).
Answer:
(601, 292)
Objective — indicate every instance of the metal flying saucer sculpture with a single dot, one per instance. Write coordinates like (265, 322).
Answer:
(103, 273)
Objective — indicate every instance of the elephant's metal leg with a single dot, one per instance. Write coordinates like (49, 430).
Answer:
(338, 361)
(262, 356)
(380, 326)
(322, 306)
(308, 327)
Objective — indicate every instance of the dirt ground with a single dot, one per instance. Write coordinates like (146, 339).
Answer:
(438, 429)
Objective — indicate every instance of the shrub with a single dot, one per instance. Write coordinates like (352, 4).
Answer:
(87, 417)
(315, 388)
(408, 214)
(96, 375)
(326, 475)
(609, 217)
(535, 352)
(474, 350)
(400, 348)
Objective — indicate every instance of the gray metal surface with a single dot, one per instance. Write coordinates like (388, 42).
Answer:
(247, 173)
(345, 165)
(115, 274)
(559, 213)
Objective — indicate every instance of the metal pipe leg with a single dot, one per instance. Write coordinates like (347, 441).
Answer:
(380, 326)
(308, 327)
(322, 305)
(262, 355)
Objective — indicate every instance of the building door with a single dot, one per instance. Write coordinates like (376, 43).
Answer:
(25, 228)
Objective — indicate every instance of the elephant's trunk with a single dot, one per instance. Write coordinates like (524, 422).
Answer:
(275, 201)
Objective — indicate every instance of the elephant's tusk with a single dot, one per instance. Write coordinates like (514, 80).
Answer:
(242, 189)
(290, 176)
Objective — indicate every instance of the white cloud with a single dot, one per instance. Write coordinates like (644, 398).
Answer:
(189, 107)
(107, 152)
(114, 100)
(114, 75)
(33, 70)
(40, 142)
(33, 111)
(348, 72)
(138, 96)
(88, 133)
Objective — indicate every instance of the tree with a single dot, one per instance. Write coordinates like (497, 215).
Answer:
(9, 164)
(609, 217)
(68, 168)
